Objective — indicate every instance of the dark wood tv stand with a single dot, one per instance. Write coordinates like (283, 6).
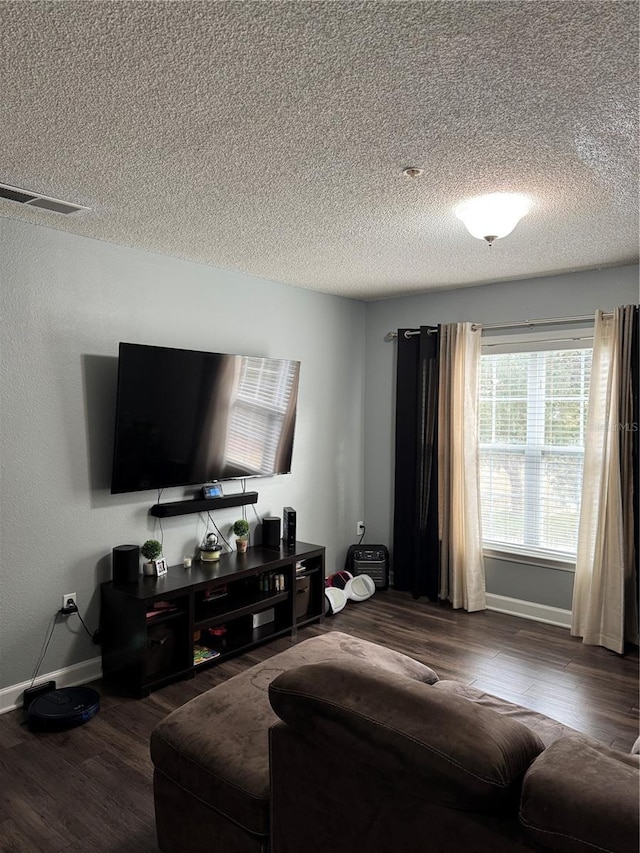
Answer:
(159, 630)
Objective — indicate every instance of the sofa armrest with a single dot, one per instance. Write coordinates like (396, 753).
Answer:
(582, 796)
(470, 757)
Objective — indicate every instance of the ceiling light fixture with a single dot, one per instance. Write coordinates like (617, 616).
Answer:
(489, 217)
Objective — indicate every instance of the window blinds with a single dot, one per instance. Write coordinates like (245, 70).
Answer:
(532, 420)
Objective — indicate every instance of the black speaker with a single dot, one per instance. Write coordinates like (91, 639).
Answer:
(289, 527)
(126, 563)
(271, 532)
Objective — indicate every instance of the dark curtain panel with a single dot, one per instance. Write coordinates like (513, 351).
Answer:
(630, 459)
(635, 382)
(415, 522)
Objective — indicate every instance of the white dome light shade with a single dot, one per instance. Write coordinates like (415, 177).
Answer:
(488, 217)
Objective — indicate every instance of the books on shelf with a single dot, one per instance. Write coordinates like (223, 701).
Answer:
(201, 654)
(160, 608)
(272, 582)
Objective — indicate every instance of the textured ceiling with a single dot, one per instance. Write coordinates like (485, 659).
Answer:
(270, 137)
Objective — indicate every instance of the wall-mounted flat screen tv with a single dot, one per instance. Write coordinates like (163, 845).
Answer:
(185, 417)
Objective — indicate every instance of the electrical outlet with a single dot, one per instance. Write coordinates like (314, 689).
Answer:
(69, 598)
(359, 528)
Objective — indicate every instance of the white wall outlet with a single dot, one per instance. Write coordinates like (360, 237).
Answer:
(67, 598)
(359, 528)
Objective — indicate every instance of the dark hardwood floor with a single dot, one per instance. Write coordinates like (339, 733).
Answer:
(89, 790)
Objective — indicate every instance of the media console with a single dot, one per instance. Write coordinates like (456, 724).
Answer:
(159, 630)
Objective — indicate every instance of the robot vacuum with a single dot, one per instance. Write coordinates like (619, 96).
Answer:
(63, 709)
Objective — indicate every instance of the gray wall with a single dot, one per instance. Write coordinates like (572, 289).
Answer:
(66, 303)
(556, 296)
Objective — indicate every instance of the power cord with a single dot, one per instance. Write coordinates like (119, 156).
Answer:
(43, 651)
(159, 520)
(215, 527)
(69, 609)
(95, 637)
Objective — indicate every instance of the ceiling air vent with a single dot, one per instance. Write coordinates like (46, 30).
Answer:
(44, 202)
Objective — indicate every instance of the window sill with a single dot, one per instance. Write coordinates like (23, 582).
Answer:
(544, 562)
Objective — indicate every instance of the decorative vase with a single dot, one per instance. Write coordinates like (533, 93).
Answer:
(242, 545)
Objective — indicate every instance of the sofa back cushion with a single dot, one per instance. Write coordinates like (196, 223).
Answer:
(467, 756)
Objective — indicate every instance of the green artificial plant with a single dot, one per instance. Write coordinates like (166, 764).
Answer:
(241, 528)
(151, 549)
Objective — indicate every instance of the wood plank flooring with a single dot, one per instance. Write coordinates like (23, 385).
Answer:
(89, 790)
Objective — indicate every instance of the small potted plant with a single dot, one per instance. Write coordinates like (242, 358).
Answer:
(241, 530)
(151, 550)
(210, 550)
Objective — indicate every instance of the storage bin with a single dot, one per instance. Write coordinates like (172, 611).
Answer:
(303, 589)
(160, 650)
(264, 617)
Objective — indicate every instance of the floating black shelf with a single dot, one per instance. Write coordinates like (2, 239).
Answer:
(202, 504)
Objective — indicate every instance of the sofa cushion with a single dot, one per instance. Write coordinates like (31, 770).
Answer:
(548, 730)
(216, 745)
(469, 756)
(572, 792)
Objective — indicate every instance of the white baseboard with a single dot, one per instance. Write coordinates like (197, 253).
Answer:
(529, 610)
(70, 676)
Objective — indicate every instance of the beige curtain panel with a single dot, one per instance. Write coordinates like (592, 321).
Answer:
(462, 578)
(604, 586)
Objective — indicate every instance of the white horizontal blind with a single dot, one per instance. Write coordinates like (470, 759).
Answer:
(533, 409)
(264, 390)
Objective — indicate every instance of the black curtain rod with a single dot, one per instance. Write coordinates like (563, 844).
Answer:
(409, 333)
(514, 325)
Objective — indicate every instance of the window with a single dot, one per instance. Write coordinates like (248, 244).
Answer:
(532, 420)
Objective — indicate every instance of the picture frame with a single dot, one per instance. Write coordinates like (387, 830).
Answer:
(212, 490)
(160, 566)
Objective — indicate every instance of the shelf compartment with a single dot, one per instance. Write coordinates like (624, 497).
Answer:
(238, 641)
(224, 610)
(191, 505)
